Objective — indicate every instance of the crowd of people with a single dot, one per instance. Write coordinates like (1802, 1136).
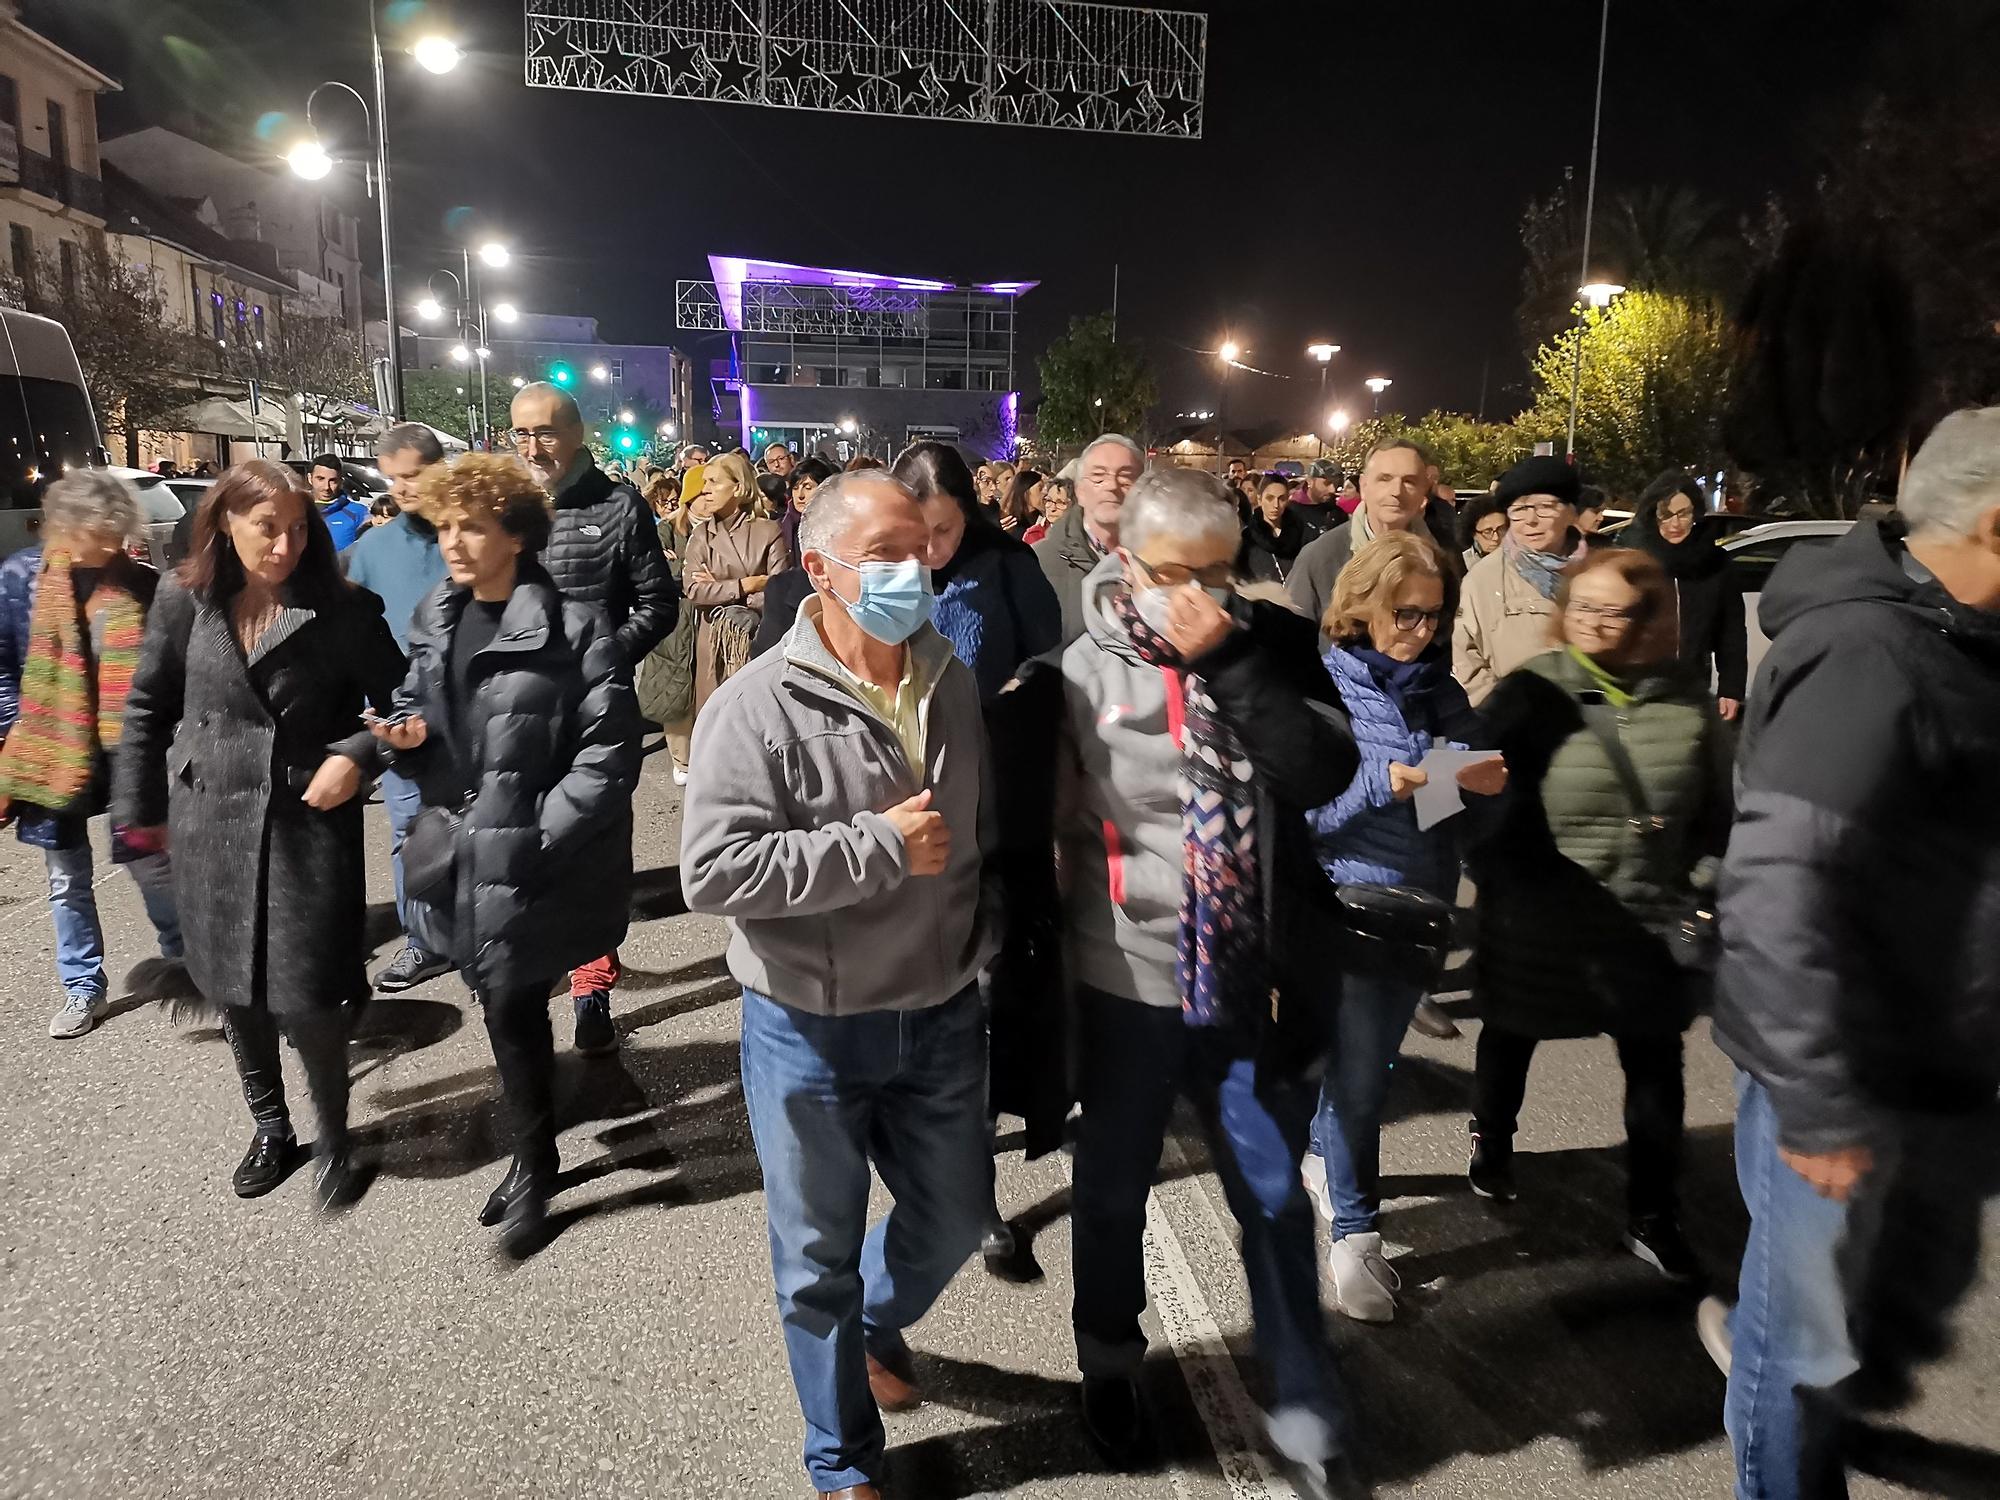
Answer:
(1066, 796)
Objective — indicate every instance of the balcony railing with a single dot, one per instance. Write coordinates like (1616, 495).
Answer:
(83, 193)
(39, 175)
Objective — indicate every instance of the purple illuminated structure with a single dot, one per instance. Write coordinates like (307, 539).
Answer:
(816, 352)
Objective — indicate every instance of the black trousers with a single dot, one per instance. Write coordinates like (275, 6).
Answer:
(1655, 1107)
(321, 1042)
(524, 1050)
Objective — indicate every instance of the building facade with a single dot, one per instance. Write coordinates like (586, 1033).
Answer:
(315, 243)
(51, 187)
(838, 361)
(606, 378)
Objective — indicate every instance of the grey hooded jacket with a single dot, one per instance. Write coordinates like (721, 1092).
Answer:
(784, 832)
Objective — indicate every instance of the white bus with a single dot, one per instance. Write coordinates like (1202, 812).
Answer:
(46, 424)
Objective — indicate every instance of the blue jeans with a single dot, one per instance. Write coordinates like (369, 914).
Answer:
(1829, 1289)
(827, 1095)
(79, 934)
(1347, 1131)
(401, 797)
(1136, 1059)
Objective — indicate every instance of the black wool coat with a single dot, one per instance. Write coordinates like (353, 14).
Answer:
(549, 741)
(604, 549)
(220, 749)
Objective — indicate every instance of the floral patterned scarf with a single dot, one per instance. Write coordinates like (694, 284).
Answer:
(67, 716)
(1222, 967)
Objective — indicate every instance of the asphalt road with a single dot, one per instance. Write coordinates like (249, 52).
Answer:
(160, 1338)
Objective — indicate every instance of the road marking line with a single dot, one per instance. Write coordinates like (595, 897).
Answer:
(1230, 1417)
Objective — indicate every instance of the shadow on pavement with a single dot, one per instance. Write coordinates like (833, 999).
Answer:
(657, 893)
(1929, 1466)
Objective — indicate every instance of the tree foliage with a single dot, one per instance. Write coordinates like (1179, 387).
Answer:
(137, 365)
(1823, 408)
(1661, 239)
(437, 399)
(1084, 368)
(1655, 386)
(318, 358)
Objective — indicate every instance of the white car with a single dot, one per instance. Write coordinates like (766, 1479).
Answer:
(1754, 553)
(166, 501)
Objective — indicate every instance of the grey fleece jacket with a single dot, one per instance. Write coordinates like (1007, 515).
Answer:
(784, 832)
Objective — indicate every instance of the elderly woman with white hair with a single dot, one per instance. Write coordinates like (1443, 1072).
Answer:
(72, 616)
(1200, 726)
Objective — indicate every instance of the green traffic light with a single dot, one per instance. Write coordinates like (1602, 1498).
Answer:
(562, 374)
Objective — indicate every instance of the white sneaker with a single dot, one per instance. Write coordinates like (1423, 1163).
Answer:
(1364, 1284)
(1313, 1171)
(680, 775)
(79, 1014)
(1711, 1321)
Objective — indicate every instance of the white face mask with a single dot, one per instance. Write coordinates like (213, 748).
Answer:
(1153, 604)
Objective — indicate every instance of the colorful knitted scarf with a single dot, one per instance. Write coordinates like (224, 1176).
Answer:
(65, 717)
(1221, 968)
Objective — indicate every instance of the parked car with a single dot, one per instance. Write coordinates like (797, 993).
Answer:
(1753, 553)
(47, 426)
(169, 506)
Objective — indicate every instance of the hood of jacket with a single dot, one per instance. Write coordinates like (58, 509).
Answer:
(1105, 582)
(1867, 566)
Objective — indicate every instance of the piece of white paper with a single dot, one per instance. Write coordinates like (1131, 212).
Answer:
(1439, 798)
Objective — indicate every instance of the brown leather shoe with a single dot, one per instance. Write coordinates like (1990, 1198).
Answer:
(852, 1492)
(892, 1390)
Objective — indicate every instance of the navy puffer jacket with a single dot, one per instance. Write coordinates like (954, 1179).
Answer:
(549, 740)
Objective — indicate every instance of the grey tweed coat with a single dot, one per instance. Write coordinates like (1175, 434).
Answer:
(221, 750)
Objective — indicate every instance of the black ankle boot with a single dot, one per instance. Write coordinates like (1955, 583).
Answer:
(525, 1190)
(339, 1180)
(268, 1162)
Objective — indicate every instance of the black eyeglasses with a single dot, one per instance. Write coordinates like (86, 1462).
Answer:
(1413, 619)
(1526, 508)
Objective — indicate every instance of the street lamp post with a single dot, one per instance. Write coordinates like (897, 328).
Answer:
(1324, 353)
(1597, 295)
(1378, 384)
(310, 160)
(1229, 353)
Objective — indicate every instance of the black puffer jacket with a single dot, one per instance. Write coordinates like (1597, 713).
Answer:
(604, 549)
(1861, 894)
(551, 738)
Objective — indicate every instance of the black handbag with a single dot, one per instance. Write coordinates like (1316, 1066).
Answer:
(430, 856)
(1393, 932)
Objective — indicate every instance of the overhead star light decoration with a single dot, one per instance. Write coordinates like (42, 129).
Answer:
(1056, 64)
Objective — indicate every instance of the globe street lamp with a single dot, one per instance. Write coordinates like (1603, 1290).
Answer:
(309, 160)
(437, 54)
(506, 312)
(1596, 296)
(430, 310)
(495, 254)
(600, 373)
(1378, 384)
(1338, 420)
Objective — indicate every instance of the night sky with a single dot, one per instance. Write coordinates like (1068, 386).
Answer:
(1360, 179)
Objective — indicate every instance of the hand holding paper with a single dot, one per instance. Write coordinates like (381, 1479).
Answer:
(1438, 797)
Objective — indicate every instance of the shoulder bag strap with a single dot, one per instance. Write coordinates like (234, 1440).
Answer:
(1602, 721)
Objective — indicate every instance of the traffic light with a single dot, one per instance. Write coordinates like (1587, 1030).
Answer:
(628, 440)
(562, 375)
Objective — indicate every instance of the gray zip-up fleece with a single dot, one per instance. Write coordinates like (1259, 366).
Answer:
(784, 832)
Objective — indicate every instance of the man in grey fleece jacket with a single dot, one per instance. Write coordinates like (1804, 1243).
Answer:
(837, 809)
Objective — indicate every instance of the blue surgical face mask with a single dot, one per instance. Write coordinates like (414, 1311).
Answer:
(896, 598)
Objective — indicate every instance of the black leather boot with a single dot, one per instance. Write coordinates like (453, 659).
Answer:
(268, 1162)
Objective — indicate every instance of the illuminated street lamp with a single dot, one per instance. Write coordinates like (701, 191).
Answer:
(849, 426)
(1324, 353)
(1378, 384)
(1230, 351)
(519, 381)
(460, 353)
(506, 312)
(437, 54)
(1596, 295)
(495, 254)
(484, 353)
(667, 429)
(1337, 421)
(430, 310)
(600, 372)
(309, 159)
(625, 415)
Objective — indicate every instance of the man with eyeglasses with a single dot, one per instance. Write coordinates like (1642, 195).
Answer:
(603, 549)
(1088, 530)
(1395, 496)
(1505, 611)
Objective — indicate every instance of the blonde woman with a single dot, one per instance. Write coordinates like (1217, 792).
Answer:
(731, 554)
(1390, 658)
